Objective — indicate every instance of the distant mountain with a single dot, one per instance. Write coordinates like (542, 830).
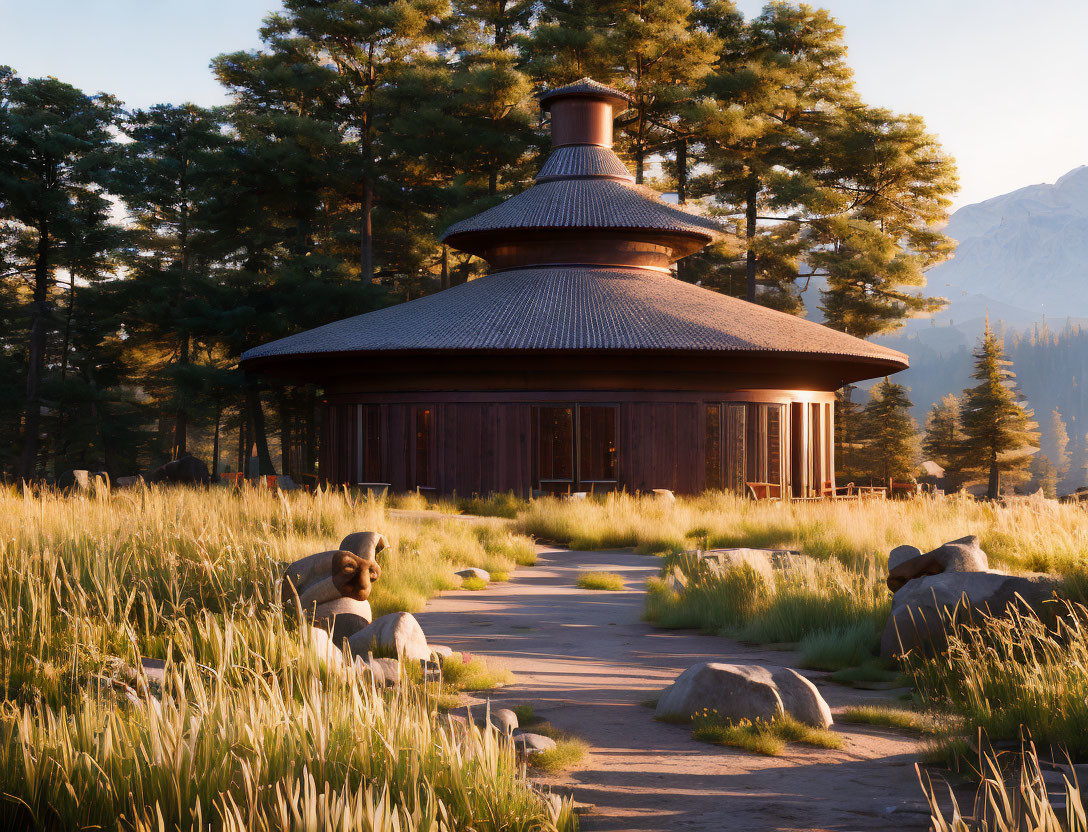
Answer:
(1022, 255)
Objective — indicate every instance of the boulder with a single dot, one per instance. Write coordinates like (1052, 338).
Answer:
(759, 560)
(343, 617)
(901, 554)
(385, 672)
(921, 609)
(801, 699)
(473, 572)
(503, 719)
(441, 650)
(529, 744)
(962, 555)
(398, 634)
(324, 648)
(186, 470)
(737, 692)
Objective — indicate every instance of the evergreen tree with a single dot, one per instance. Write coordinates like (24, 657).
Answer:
(167, 177)
(943, 441)
(847, 431)
(998, 427)
(892, 184)
(571, 39)
(890, 435)
(1057, 443)
(1044, 475)
(777, 86)
(55, 156)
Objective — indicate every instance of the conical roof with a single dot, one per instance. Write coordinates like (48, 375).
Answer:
(569, 291)
(583, 185)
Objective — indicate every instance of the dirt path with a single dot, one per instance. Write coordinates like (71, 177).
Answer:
(586, 662)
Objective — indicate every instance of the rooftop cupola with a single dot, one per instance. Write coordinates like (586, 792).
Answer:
(585, 209)
(582, 112)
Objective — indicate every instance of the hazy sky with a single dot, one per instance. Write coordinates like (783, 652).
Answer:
(1000, 81)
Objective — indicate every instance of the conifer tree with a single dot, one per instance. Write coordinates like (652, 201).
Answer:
(999, 429)
(777, 85)
(167, 177)
(877, 236)
(943, 441)
(1057, 443)
(890, 435)
(55, 157)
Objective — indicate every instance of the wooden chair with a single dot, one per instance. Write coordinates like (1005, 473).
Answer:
(763, 490)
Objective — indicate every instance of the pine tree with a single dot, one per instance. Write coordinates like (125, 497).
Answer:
(874, 242)
(890, 435)
(1057, 443)
(167, 178)
(999, 429)
(776, 85)
(944, 437)
(55, 157)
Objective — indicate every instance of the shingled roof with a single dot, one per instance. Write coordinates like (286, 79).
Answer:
(579, 309)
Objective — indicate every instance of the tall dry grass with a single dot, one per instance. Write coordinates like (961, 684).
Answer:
(251, 730)
(1031, 535)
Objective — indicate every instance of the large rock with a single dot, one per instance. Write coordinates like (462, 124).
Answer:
(758, 560)
(739, 692)
(398, 634)
(923, 607)
(962, 555)
(186, 470)
(324, 649)
(801, 699)
(343, 617)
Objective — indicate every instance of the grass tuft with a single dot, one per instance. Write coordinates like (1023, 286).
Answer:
(473, 583)
(607, 581)
(888, 716)
(463, 672)
(759, 736)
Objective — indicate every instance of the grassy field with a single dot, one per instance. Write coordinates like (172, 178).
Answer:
(251, 730)
(1035, 536)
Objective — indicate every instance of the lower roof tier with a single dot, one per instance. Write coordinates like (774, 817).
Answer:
(581, 310)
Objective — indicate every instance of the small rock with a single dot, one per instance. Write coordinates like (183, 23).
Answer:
(384, 672)
(344, 617)
(503, 719)
(324, 648)
(440, 650)
(473, 572)
(901, 554)
(398, 634)
(962, 555)
(665, 495)
(529, 744)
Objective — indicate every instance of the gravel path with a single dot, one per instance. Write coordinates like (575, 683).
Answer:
(586, 662)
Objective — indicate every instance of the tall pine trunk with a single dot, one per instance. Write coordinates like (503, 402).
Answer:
(258, 436)
(750, 237)
(366, 236)
(215, 439)
(28, 459)
(181, 416)
(993, 488)
(682, 194)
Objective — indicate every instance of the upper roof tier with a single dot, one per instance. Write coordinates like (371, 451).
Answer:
(583, 196)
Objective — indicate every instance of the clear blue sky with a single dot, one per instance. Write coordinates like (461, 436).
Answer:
(1001, 82)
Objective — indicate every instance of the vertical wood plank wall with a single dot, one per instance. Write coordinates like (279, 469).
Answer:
(485, 447)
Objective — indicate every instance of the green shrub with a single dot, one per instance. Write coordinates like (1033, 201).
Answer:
(759, 736)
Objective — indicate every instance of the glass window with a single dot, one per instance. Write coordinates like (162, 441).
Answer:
(424, 429)
(774, 444)
(713, 446)
(597, 444)
(735, 428)
(556, 447)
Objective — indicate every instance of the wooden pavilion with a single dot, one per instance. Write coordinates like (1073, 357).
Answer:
(579, 363)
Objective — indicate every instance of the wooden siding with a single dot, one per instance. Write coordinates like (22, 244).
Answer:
(480, 447)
